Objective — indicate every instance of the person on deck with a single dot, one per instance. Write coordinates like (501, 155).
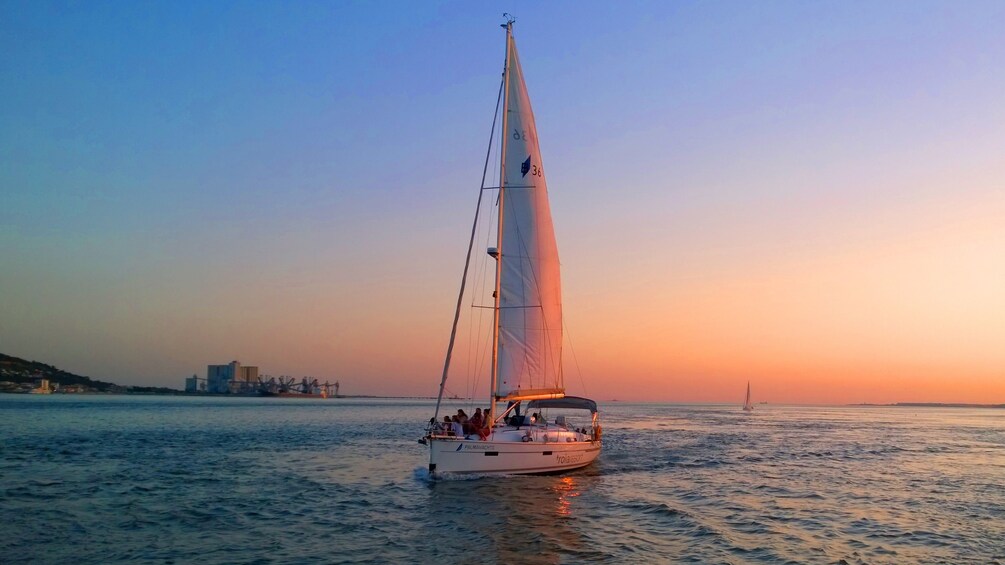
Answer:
(476, 420)
(487, 423)
(446, 427)
(458, 427)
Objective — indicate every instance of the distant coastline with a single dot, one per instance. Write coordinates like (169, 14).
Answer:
(931, 405)
(20, 375)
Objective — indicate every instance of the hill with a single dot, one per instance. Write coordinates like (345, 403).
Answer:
(17, 370)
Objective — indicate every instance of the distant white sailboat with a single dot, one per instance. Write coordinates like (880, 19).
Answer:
(747, 406)
(526, 367)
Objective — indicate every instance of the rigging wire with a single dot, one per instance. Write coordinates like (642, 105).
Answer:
(478, 350)
(574, 358)
(467, 259)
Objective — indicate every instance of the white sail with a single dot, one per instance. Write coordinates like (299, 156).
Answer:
(746, 403)
(529, 349)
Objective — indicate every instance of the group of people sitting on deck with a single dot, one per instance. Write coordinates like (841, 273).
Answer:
(460, 425)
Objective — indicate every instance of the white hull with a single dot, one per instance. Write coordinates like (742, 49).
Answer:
(506, 453)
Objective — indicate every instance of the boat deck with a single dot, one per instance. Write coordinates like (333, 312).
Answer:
(550, 433)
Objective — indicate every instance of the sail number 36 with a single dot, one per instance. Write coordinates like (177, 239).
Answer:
(521, 135)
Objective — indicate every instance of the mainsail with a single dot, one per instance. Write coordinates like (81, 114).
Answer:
(529, 301)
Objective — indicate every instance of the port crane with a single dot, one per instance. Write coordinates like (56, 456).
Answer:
(286, 385)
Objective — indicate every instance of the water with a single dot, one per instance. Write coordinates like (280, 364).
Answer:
(105, 479)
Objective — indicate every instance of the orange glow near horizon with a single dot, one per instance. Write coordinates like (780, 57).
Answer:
(906, 318)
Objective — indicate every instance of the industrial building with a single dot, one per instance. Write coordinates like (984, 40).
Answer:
(234, 378)
(231, 377)
(192, 384)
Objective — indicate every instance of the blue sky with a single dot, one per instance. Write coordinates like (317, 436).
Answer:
(289, 183)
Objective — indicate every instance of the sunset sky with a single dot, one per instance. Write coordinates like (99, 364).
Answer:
(806, 195)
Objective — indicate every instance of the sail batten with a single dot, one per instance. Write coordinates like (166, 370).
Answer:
(529, 330)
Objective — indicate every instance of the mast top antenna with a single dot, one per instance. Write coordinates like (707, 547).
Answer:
(509, 20)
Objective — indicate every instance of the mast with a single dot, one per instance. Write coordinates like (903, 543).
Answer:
(499, 234)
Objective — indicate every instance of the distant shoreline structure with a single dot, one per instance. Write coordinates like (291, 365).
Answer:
(19, 376)
(929, 405)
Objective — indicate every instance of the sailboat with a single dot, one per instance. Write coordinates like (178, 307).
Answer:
(747, 406)
(518, 435)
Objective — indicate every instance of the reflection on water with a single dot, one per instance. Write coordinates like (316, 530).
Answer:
(513, 519)
(567, 490)
(108, 479)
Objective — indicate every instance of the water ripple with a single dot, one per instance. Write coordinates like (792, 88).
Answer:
(176, 480)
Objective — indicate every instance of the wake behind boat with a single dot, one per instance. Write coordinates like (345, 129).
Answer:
(537, 431)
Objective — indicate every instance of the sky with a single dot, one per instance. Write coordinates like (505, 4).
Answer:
(809, 196)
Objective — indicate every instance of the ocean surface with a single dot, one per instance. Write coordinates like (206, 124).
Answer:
(110, 479)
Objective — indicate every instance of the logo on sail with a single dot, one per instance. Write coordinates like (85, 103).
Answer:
(525, 167)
